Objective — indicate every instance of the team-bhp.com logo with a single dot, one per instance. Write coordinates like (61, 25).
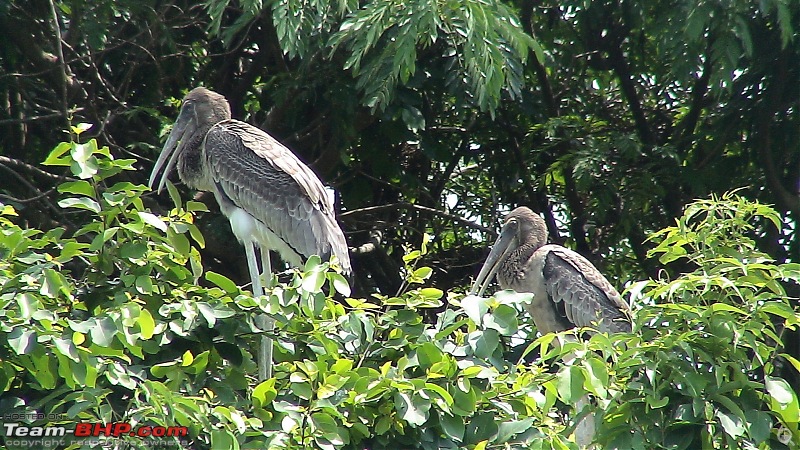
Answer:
(16, 433)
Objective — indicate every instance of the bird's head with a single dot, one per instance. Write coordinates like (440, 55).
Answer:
(521, 227)
(201, 109)
(526, 226)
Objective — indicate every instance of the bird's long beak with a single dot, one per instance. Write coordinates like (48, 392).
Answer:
(173, 147)
(501, 248)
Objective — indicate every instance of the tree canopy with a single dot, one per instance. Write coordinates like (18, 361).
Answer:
(659, 139)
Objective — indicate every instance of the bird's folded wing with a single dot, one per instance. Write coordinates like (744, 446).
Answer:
(581, 293)
(263, 177)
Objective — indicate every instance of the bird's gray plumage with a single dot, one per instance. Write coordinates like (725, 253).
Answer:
(272, 200)
(568, 290)
(269, 182)
(247, 168)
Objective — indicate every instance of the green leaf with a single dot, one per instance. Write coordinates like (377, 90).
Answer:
(152, 220)
(508, 430)
(569, 383)
(80, 128)
(484, 343)
(731, 424)
(84, 162)
(44, 369)
(313, 281)
(193, 206)
(102, 331)
(22, 340)
(163, 369)
(67, 348)
(453, 426)
(195, 233)
(503, 319)
(423, 273)
(80, 203)
(412, 408)
(481, 428)
(174, 194)
(431, 294)
(56, 157)
(223, 439)
(178, 241)
(199, 363)
(475, 307)
(446, 399)
(144, 285)
(81, 187)
(222, 281)
(428, 354)
(28, 305)
(512, 298)
(596, 375)
(781, 309)
(779, 389)
(324, 424)
(133, 250)
(146, 323)
(339, 283)
(207, 312)
(759, 424)
(783, 399)
(411, 256)
(264, 393)
(54, 283)
(312, 263)
(464, 403)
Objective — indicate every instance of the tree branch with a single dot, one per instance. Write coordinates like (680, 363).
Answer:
(685, 129)
(413, 207)
(786, 200)
(628, 85)
(438, 186)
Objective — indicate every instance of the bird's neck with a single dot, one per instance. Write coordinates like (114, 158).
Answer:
(190, 168)
(516, 262)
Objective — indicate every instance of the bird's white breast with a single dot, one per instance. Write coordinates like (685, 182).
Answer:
(247, 228)
(541, 307)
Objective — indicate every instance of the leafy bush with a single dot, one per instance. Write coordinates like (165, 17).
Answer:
(117, 321)
(702, 371)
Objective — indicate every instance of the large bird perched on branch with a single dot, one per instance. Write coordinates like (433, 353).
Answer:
(568, 291)
(272, 199)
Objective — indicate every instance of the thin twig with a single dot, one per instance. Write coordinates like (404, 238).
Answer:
(411, 206)
(62, 62)
(42, 117)
(39, 195)
(27, 200)
(16, 163)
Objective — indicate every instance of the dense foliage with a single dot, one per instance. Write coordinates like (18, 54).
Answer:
(430, 119)
(120, 323)
(607, 117)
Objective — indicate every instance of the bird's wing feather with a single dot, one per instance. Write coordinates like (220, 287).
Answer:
(581, 293)
(263, 177)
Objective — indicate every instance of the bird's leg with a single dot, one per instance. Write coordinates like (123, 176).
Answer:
(584, 430)
(262, 320)
(252, 267)
(266, 323)
(266, 265)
